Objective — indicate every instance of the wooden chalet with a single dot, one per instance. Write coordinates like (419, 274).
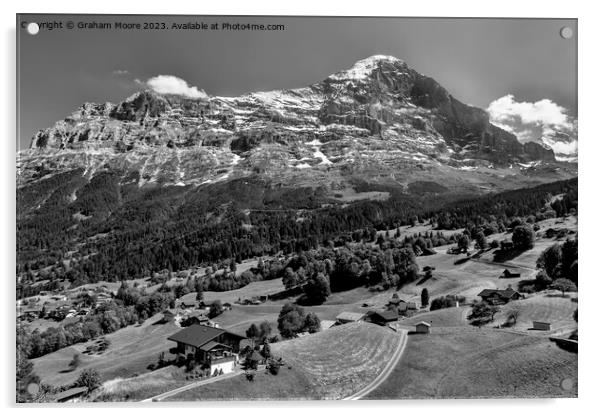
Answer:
(499, 296)
(214, 347)
(383, 317)
(507, 274)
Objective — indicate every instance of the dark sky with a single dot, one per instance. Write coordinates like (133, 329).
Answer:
(477, 60)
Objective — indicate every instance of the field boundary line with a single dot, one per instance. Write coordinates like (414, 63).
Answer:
(403, 339)
(190, 386)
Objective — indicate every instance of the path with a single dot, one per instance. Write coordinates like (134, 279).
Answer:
(167, 394)
(403, 339)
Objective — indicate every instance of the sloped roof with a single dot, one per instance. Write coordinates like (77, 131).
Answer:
(350, 316)
(423, 323)
(70, 393)
(198, 335)
(388, 315)
(504, 293)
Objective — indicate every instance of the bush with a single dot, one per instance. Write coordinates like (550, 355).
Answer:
(88, 378)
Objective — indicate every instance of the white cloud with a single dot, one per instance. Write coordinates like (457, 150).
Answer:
(169, 84)
(542, 121)
(121, 72)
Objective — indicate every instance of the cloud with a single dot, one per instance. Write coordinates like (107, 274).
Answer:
(121, 72)
(169, 84)
(542, 121)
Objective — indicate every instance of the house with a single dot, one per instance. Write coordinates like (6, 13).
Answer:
(383, 317)
(412, 306)
(507, 245)
(30, 312)
(70, 395)
(498, 296)
(542, 326)
(506, 274)
(423, 328)
(214, 347)
(347, 317)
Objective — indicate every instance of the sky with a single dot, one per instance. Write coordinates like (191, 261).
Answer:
(520, 70)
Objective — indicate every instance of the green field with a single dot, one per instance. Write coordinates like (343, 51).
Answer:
(473, 363)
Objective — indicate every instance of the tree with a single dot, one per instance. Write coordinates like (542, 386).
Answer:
(75, 362)
(480, 240)
(575, 315)
(291, 320)
(215, 309)
(564, 285)
(266, 351)
(482, 313)
(523, 237)
(312, 323)
(252, 332)
(424, 297)
(317, 289)
(88, 378)
(463, 242)
(550, 259)
(265, 329)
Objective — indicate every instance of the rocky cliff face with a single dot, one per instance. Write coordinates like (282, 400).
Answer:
(380, 121)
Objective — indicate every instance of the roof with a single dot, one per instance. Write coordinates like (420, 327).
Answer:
(325, 323)
(70, 393)
(212, 344)
(350, 316)
(386, 315)
(504, 293)
(423, 323)
(396, 301)
(198, 335)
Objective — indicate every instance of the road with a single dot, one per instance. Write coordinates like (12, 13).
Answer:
(403, 339)
(167, 394)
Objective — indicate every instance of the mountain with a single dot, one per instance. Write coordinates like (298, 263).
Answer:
(109, 178)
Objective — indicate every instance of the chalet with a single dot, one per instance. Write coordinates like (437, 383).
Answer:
(412, 306)
(498, 296)
(423, 328)
(383, 317)
(214, 347)
(506, 274)
(542, 326)
(347, 317)
(71, 395)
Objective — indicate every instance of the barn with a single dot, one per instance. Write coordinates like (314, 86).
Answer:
(423, 328)
(383, 317)
(542, 326)
(347, 317)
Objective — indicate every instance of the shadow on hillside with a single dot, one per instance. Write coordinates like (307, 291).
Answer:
(501, 256)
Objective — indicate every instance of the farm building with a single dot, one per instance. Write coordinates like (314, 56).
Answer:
(347, 317)
(423, 328)
(542, 326)
(215, 347)
(498, 296)
(383, 317)
(70, 395)
(507, 274)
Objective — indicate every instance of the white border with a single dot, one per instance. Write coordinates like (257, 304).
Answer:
(590, 153)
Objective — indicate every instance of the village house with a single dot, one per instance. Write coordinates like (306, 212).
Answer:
(506, 274)
(383, 317)
(423, 328)
(498, 296)
(542, 326)
(347, 317)
(214, 347)
(325, 324)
